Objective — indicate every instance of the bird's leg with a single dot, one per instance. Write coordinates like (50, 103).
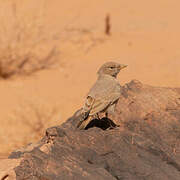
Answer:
(106, 114)
(96, 116)
(111, 110)
(109, 121)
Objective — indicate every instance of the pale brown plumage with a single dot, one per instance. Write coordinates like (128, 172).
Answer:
(104, 94)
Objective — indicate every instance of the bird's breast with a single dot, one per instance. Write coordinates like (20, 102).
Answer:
(103, 87)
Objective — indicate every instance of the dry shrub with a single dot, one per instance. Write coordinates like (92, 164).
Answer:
(13, 63)
(22, 39)
(36, 118)
(84, 39)
(27, 124)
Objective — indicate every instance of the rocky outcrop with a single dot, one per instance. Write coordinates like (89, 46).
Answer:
(145, 145)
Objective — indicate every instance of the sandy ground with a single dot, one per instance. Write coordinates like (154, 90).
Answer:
(145, 35)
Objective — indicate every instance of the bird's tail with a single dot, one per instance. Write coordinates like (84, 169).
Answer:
(85, 118)
(82, 124)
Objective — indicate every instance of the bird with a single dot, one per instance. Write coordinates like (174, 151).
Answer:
(103, 95)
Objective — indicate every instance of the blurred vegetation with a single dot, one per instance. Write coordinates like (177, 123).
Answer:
(22, 37)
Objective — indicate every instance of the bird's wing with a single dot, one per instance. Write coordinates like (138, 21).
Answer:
(104, 92)
(95, 105)
(88, 104)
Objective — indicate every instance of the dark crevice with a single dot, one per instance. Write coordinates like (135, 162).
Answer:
(104, 123)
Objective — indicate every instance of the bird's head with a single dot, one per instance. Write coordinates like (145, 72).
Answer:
(111, 68)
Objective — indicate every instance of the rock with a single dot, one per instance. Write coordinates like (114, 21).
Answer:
(145, 146)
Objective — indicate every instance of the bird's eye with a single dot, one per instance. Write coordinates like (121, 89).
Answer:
(111, 67)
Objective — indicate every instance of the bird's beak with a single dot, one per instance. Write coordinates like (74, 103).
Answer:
(123, 66)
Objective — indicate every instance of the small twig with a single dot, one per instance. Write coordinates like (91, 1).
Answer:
(107, 25)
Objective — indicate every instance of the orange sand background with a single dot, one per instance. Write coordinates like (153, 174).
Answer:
(145, 35)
